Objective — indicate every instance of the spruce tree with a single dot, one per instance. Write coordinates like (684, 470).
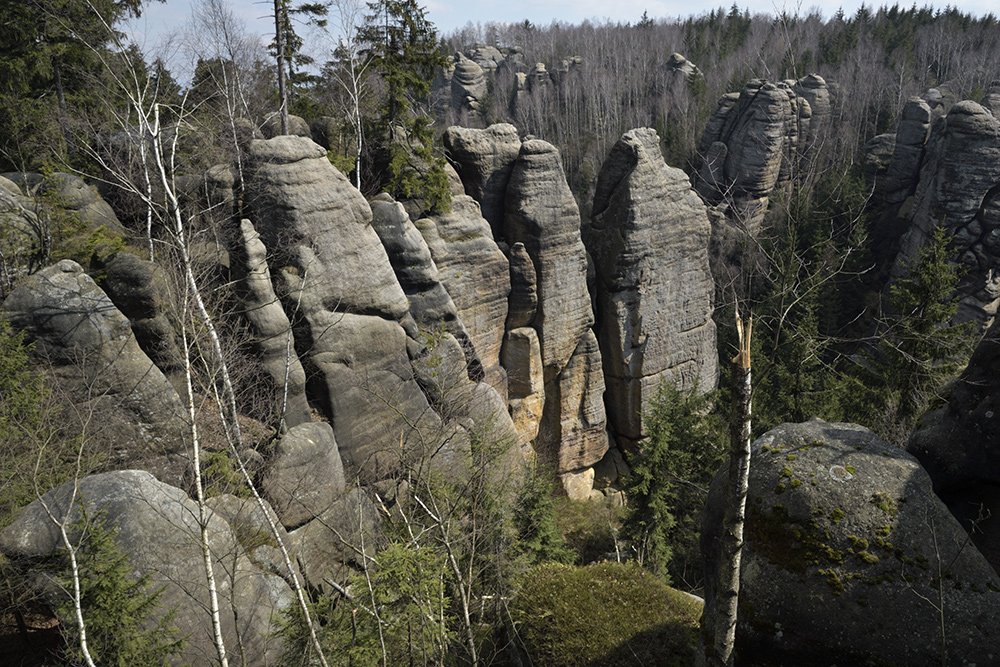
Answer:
(403, 46)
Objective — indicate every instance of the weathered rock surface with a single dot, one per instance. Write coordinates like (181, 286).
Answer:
(958, 191)
(156, 526)
(71, 193)
(139, 290)
(522, 357)
(844, 543)
(337, 276)
(756, 141)
(468, 86)
(541, 213)
(649, 239)
(305, 474)
(269, 326)
(330, 546)
(911, 140)
(431, 304)
(956, 443)
(523, 302)
(75, 326)
(475, 273)
(485, 159)
(297, 127)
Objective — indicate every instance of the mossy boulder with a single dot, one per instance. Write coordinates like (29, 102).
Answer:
(605, 614)
(850, 558)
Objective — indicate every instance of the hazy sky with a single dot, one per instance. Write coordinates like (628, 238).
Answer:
(448, 15)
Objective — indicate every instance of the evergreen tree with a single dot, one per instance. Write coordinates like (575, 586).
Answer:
(669, 480)
(404, 49)
(124, 624)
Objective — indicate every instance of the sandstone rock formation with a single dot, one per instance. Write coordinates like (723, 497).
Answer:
(269, 326)
(156, 527)
(76, 327)
(468, 86)
(957, 190)
(138, 289)
(484, 161)
(540, 212)
(475, 273)
(757, 141)
(649, 240)
(955, 442)
(911, 141)
(305, 474)
(297, 126)
(336, 276)
(844, 540)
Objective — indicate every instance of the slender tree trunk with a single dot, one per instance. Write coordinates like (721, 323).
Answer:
(728, 586)
(63, 113)
(279, 42)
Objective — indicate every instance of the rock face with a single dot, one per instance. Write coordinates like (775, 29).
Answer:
(72, 193)
(485, 159)
(957, 190)
(269, 326)
(649, 240)
(844, 539)
(756, 141)
(138, 289)
(956, 443)
(75, 326)
(911, 141)
(156, 526)
(540, 213)
(337, 276)
(475, 273)
(305, 474)
(468, 86)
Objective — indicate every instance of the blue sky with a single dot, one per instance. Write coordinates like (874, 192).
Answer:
(448, 15)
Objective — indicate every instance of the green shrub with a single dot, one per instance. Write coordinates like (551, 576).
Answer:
(606, 614)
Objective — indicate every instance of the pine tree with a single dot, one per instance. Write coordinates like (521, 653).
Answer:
(404, 49)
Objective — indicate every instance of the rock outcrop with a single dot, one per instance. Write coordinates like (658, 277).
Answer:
(468, 86)
(76, 327)
(540, 212)
(844, 545)
(484, 160)
(269, 326)
(956, 443)
(756, 141)
(958, 190)
(156, 527)
(649, 239)
(305, 474)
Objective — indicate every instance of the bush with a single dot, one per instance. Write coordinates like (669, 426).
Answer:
(604, 615)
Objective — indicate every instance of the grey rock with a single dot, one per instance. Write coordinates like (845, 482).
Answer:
(305, 474)
(475, 272)
(523, 303)
(75, 326)
(332, 546)
(156, 526)
(297, 127)
(522, 357)
(842, 548)
(957, 190)
(140, 291)
(270, 329)
(468, 85)
(649, 239)
(911, 139)
(484, 161)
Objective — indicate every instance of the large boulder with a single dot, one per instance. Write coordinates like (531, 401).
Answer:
(849, 558)
(156, 526)
(305, 474)
(139, 290)
(76, 327)
(649, 239)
